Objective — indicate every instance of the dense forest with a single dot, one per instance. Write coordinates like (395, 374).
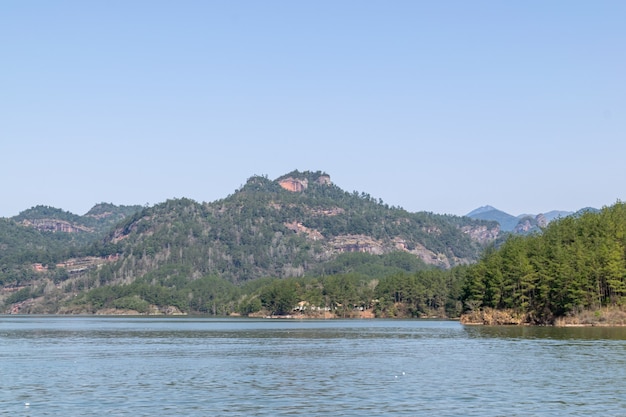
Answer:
(577, 263)
(386, 291)
(32, 238)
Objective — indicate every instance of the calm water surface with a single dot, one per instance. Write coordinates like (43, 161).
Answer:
(96, 366)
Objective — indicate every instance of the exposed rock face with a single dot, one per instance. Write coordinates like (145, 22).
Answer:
(429, 257)
(37, 267)
(53, 225)
(541, 220)
(327, 212)
(366, 244)
(323, 180)
(300, 228)
(529, 224)
(357, 243)
(481, 234)
(294, 185)
(432, 230)
(78, 265)
(523, 226)
(102, 215)
(298, 185)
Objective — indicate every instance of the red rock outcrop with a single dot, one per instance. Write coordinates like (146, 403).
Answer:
(294, 185)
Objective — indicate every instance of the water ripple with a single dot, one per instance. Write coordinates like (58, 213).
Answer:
(199, 367)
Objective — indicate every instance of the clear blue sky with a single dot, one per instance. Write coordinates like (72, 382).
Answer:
(441, 106)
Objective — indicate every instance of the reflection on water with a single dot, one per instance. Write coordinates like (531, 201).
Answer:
(545, 332)
(92, 366)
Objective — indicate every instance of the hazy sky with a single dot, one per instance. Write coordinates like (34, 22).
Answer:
(441, 106)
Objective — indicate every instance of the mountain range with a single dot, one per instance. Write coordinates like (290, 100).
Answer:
(521, 224)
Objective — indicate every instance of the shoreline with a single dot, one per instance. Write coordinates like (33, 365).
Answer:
(604, 317)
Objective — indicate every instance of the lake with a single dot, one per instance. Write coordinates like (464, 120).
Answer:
(121, 366)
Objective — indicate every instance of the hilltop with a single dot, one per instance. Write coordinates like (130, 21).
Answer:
(48, 235)
(289, 226)
(92, 225)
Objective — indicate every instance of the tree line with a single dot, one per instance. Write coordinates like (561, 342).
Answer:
(577, 263)
(423, 293)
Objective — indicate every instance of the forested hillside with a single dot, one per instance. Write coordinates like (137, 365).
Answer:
(265, 230)
(298, 226)
(49, 236)
(389, 292)
(577, 263)
(21, 246)
(83, 229)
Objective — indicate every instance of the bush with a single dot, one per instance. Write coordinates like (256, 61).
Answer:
(132, 302)
(19, 296)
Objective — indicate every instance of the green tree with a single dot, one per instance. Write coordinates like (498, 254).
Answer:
(279, 297)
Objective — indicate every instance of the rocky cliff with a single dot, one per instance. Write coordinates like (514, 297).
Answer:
(53, 225)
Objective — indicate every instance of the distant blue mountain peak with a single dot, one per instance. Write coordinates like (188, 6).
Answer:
(479, 210)
(510, 223)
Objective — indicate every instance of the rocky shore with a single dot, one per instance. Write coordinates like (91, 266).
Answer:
(606, 316)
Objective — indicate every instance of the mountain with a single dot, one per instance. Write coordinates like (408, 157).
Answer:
(481, 210)
(586, 210)
(507, 222)
(522, 224)
(48, 235)
(300, 224)
(556, 214)
(287, 226)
